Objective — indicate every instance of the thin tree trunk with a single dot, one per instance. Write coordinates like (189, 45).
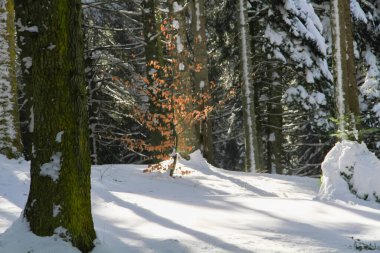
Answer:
(10, 139)
(51, 40)
(252, 156)
(93, 107)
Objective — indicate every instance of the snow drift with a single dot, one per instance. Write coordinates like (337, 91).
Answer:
(350, 169)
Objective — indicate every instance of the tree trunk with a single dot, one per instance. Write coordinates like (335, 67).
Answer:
(253, 159)
(201, 81)
(153, 52)
(344, 70)
(274, 135)
(154, 57)
(93, 108)
(51, 40)
(186, 134)
(10, 140)
(92, 87)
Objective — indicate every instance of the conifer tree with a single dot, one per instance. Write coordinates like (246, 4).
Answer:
(366, 21)
(292, 83)
(115, 62)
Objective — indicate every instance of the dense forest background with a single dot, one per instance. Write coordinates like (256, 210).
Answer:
(255, 85)
(291, 68)
(250, 83)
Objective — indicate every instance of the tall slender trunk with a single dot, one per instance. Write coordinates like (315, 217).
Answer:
(10, 140)
(201, 80)
(275, 137)
(93, 108)
(51, 41)
(90, 36)
(344, 70)
(253, 160)
(186, 134)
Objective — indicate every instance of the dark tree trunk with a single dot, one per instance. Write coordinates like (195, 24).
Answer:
(154, 73)
(274, 134)
(59, 199)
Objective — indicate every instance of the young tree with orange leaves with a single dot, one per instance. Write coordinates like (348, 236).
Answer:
(176, 107)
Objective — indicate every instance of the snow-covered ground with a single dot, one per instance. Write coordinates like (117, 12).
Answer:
(209, 210)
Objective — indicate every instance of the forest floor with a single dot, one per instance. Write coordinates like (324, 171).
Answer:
(208, 210)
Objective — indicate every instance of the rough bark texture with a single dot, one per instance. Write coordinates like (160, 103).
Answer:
(201, 81)
(10, 142)
(274, 134)
(344, 67)
(59, 199)
(253, 159)
(186, 133)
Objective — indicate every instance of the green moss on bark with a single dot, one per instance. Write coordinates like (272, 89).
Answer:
(50, 34)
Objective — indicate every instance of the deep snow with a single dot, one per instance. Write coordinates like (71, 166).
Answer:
(209, 210)
(350, 163)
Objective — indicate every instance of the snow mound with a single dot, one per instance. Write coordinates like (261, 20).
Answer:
(18, 238)
(350, 169)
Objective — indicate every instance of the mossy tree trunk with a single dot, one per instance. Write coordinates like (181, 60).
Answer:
(51, 41)
(201, 80)
(10, 141)
(344, 70)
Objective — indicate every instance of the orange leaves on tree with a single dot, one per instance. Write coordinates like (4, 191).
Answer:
(174, 104)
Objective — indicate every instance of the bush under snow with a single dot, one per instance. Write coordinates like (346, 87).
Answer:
(350, 168)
